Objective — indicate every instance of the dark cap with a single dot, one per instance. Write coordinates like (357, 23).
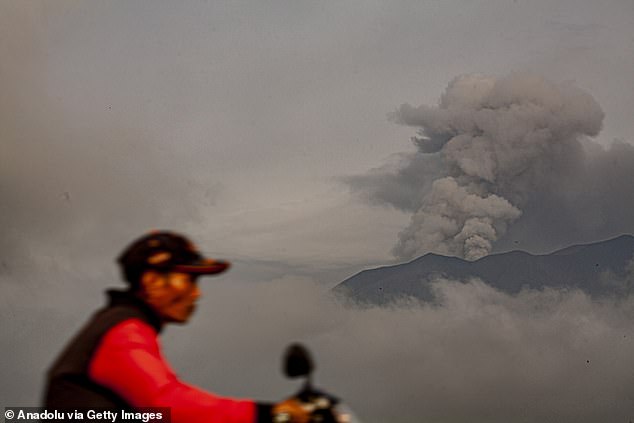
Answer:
(167, 252)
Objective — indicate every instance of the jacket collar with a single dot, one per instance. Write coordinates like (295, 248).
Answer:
(127, 298)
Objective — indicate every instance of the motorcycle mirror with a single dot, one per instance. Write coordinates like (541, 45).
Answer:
(297, 361)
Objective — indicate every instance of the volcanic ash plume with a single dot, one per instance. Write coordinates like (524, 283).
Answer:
(493, 144)
(454, 221)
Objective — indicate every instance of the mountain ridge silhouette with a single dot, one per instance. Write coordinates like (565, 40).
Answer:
(599, 269)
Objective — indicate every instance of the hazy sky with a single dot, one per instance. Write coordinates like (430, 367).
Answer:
(262, 130)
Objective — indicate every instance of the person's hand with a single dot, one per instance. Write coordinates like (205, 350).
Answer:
(291, 410)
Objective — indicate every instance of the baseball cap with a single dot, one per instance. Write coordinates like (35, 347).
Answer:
(167, 252)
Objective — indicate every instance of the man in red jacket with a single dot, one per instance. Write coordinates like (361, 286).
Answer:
(115, 361)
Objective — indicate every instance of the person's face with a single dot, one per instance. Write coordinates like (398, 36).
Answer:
(172, 295)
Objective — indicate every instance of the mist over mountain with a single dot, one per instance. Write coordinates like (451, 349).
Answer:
(598, 269)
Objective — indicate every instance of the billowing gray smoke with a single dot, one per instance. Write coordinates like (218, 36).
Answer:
(491, 148)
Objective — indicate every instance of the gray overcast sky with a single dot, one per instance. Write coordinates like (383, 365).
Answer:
(254, 109)
(235, 122)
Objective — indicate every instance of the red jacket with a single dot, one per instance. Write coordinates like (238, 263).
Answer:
(129, 362)
(115, 361)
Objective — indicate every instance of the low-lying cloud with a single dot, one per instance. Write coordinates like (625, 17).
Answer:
(477, 355)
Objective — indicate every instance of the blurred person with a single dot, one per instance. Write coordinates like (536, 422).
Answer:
(115, 361)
